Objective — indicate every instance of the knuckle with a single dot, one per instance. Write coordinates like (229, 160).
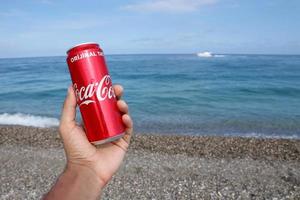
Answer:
(123, 102)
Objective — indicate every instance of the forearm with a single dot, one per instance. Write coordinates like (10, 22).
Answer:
(76, 182)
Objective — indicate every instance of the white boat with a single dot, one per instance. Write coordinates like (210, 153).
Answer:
(205, 54)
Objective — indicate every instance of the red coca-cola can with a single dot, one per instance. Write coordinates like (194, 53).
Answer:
(94, 93)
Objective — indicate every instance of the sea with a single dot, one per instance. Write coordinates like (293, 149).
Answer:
(182, 94)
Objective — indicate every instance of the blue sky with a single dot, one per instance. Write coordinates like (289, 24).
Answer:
(50, 27)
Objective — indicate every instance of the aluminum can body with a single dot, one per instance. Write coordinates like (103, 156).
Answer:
(94, 93)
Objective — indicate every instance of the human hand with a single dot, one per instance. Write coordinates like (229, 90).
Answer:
(88, 168)
(105, 160)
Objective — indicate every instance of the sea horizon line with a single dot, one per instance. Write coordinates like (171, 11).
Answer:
(129, 54)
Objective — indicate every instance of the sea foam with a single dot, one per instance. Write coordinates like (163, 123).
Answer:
(219, 56)
(28, 120)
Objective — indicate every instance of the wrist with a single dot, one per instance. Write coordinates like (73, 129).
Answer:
(82, 172)
(76, 182)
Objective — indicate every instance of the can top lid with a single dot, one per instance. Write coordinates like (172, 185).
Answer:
(82, 44)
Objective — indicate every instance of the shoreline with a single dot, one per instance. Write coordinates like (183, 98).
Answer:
(204, 146)
(159, 166)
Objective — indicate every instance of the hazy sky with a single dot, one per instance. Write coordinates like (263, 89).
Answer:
(50, 27)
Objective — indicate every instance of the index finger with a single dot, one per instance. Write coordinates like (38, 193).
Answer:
(68, 114)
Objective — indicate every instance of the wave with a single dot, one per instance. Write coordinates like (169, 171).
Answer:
(219, 56)
(28, 120)
(208, 54)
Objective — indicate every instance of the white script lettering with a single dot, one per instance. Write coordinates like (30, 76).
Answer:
(103, 90)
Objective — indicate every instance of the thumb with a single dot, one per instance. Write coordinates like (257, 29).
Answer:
(68, 114)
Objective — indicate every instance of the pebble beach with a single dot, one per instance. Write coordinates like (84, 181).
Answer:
(159, 167)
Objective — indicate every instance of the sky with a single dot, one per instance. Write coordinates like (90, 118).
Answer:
(50, 27)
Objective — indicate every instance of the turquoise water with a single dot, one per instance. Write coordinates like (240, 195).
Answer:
(248, 95)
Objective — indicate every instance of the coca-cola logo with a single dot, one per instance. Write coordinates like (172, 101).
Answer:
(102, 89)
